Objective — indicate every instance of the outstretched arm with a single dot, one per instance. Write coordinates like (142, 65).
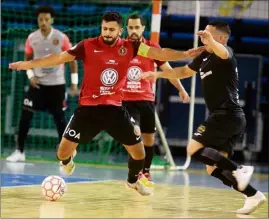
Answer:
(166, 54)
(49, 60)
(175, 73)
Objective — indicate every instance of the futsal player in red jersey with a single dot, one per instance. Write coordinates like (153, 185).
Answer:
(105, 61)
(139, 96)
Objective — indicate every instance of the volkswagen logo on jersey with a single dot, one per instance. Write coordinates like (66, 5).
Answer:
(109, 77)
(134, 73)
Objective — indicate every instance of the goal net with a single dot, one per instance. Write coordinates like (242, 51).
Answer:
(78, 20)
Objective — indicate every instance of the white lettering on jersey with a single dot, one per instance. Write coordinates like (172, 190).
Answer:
(109, 77)
(111, 62)
(28, 102)
(205, 74)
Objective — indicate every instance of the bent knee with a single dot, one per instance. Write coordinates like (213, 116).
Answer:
(193, 146)
(148, 139)
(137, 151)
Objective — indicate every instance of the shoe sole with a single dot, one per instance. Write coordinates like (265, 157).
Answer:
(135, 190)
(15, 161)
(255, 208)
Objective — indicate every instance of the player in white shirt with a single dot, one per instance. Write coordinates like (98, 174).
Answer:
(47, 85)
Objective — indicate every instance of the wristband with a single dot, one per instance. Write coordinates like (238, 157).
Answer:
(74, 78)
(30, 73)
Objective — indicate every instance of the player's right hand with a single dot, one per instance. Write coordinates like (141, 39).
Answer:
(25, 65)
(34, 82)
(149, 75)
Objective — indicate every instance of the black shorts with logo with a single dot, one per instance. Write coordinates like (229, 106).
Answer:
(88, 121)
(221, 131)
(143, 113)
(51, 98)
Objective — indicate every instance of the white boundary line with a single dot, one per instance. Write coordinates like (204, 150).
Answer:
(79, 182)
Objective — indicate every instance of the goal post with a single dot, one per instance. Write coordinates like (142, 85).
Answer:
(155, 35)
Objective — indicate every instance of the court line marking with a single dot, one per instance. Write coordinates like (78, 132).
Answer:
(79, 182)
(105, 181)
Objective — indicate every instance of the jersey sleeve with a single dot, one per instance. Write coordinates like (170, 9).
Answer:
(66, 43)
(78, 50)
(158, 63)
(196, 63)
(28, 48)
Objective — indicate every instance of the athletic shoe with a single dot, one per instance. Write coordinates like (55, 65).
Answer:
(142, 186)
(252, 203)
(68, 169)
(243, 175)
(16, 156)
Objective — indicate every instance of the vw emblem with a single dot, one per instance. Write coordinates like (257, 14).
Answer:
(109, 77)
(134, 73)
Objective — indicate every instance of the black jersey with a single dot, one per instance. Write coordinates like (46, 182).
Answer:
(219, 79)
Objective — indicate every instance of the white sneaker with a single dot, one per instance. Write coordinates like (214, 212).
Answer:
(16, 156)
(243, 176)
(69, 168)
(252, 203)
(142, 186)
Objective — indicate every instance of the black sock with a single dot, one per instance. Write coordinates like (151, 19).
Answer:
(228, 179)
(24, 126)
(212, 157)
(66, 161)
(148, 159)
(135, 166)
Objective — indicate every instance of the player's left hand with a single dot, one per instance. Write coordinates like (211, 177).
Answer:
(205, 36)
(184, 96)
(149, 75)
(20, 65)
(74, 90)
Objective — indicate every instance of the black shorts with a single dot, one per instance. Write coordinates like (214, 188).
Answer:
(88, 121)
(51, 98)
(143, 113)
(221, 131)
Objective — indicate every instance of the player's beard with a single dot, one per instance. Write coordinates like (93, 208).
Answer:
(135, 37)
(111, 41)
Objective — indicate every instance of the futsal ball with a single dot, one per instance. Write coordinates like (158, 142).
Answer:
(53, 188)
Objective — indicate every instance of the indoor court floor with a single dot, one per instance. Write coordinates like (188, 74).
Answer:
(100, 192)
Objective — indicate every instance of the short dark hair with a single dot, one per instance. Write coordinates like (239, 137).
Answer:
(137, 16)
(112, 16)
(221, 25)
(45, 9)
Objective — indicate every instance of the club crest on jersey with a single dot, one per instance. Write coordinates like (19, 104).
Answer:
(109, 77)
(134, 73)
(122, 51)
(201, 129)
(55, 42)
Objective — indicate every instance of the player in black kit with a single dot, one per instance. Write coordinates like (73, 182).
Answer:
(213, 142)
